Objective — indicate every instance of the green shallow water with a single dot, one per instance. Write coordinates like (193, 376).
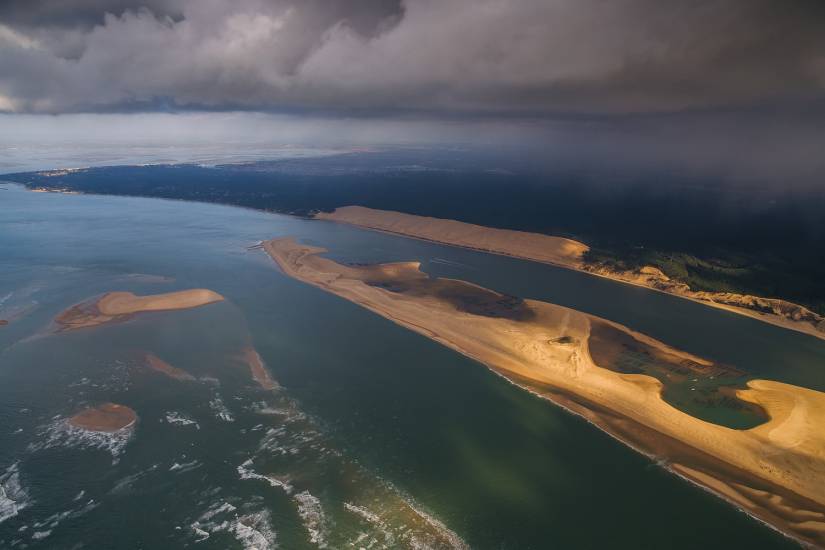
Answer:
(369, 416)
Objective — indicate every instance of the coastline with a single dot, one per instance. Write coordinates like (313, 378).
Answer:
(408, 225)
(775, 475)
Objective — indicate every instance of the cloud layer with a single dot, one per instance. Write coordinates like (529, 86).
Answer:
(480, 57)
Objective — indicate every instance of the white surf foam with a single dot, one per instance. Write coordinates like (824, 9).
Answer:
(185, 466)
(245, 472)
(253, 531)
(61, 433)
(221, 412)
(13, 498)
(178, 419)
(313, 517)
(45, 527)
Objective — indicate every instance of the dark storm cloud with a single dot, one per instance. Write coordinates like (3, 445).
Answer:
(546, 57)
(84, 14)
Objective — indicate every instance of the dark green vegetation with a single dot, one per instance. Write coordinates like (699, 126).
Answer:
(711, 236)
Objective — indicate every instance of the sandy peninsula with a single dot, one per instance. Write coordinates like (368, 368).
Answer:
(120, 306)
(569, 253)
(775, 471)
(157, 364)
(108, 417)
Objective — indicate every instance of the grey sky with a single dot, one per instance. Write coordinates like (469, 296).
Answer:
(730, 89)
(535, 57)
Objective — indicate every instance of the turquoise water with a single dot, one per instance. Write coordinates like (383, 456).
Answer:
(369, 418)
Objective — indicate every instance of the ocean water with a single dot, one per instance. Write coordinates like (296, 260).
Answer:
(376, 438)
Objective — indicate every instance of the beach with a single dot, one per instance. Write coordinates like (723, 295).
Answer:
(569, 253)
(774, 471)
(257, 369)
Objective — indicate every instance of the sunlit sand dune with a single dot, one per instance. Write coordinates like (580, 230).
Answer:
(569, 253)
(775, 471)
(532, 246)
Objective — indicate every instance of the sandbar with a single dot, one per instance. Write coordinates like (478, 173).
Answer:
(115, 307)
(3, 322)
(159, 365)
(257, 368)
(519, 244)
(774, 471)
(569, 253)
(108, 417)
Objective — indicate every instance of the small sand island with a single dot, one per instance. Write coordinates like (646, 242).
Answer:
(775, 471)
(257, 369)
(569, 253)
(108, 417)
(115, 307)
(3, 322)
(157, 364)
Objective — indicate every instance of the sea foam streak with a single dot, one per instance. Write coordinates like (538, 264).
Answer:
(313, 517)
(253, 531)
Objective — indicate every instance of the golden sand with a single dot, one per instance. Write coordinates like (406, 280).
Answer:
(109, 417)
(119, 306)
(159, 365)
(568, 253)
(520, 244)
(783, 459)
(257, 369)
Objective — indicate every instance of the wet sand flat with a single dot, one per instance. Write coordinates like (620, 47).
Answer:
(782, 459)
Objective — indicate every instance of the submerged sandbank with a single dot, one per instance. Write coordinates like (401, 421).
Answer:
(257, 368)
(108, 417)
(159, 365)
(118, 306)
(569, 253)
(775, 471)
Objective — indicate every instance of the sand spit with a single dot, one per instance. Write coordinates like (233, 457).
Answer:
(109, 417)
(775, 471)
(531, 246)
(568, 253)
(114, 307)
(159, 365)
(257, 368)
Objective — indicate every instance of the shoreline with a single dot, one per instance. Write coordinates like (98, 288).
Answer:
(351, 218)
(765, 472)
